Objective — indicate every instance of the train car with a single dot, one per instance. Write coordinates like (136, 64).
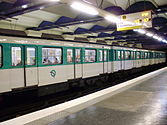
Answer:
(51, 65)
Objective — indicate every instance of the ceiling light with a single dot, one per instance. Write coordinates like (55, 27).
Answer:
(158, 9)
(149, 34)
(155, 37)
(24, 6)
(112, 19)
(55, 0)
(84, 8)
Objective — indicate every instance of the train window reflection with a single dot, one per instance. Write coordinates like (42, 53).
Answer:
(69, 55)
(78, 55)
(0, 56)
(16, 56)
(90, 55)
(31, 56)
(51, 56)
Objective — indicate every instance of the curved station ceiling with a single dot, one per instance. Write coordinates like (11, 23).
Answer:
(57, 19)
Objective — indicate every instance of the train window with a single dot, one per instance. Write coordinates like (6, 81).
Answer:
(78, 55)
(31, 56)
(127, 54)
(69, 55)
(90, 55)
(16, 56)
(119, 54)
(0, 56)
(100, 55)
(138, 55)
(105, 55)
(51, 56)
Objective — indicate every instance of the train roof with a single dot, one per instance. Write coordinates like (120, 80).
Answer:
(38, 40)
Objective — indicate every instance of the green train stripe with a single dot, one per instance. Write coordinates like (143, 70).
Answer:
(6, 54)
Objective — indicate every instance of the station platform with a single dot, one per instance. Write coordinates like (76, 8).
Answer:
(144, 104)
(140, 101)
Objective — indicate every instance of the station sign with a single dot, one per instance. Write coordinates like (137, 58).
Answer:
(135, 21)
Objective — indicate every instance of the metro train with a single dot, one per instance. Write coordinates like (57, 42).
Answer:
(54, 65)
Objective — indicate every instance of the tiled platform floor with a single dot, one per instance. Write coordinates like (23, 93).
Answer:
(144, 104)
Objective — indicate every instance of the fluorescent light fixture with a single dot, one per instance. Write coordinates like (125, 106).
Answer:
(149, 34)
(84, 8)
(87, 1)
(159, 39)
(135, 30)
(164, 41)
(141, 31)
(24, 6)
(127, 22)
(41, 8)
(158, 9)
(113, 19)
(155, 37)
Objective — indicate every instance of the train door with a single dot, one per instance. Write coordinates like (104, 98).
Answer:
(70, 67)
(30, 66)
(78, 65)
(105, 61)
(23, 71)
(17, 67)
(122, 60)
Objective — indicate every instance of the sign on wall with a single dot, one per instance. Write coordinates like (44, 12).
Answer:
(135, 21)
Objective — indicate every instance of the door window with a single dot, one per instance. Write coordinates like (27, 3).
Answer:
(100, 55)
(119, 55)
(132, 55)
(78, 55)
(115, 55)
(105, 55)
(69, 55)
(31, 60)
(16, 56)
(138, 55)
(122, 55)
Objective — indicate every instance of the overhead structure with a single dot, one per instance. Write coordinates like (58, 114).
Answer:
(69, 20)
